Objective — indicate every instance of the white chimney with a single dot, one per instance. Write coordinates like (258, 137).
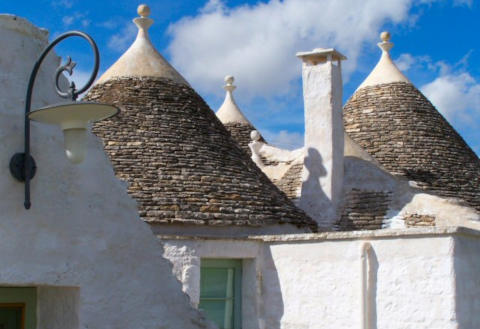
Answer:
(322, 178)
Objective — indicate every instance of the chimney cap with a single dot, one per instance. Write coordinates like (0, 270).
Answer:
(321, 55)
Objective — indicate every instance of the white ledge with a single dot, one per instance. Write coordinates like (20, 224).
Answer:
(417, 232)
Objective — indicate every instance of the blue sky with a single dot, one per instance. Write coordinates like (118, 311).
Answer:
(436, 45)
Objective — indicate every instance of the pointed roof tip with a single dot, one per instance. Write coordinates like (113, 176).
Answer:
(385, 71)
(142, 59)
(229, 112)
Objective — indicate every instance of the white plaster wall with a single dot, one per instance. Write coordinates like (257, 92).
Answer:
(83, 230)
(467, 274)
(58, 307)
(22, 45)
(314, 281)
(321, 284)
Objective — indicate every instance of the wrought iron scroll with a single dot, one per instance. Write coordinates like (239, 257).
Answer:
(22, 165)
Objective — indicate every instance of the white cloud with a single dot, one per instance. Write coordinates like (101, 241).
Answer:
(86, 22)
(405, 61)
(68, 20)
(467, 3)
(76, 17)
(63, 3)
(120, 41)
(258, 43)
(284, 139)
(414, 63)
(456, 95)
(109, 24)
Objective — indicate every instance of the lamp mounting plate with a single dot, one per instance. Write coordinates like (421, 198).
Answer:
(18, 166)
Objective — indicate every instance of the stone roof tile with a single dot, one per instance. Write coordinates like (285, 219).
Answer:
(402, 130)
(181, 164)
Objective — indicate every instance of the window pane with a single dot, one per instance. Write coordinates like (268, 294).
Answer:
(220, 292)
(10, 317)
(215, 311)
(213, 282)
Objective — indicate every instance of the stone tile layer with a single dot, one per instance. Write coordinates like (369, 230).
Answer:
(181, 163)
(402, 130)
(241, 134)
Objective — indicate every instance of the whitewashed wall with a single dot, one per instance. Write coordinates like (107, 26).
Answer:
(467, 284)
(418, 278)
(83, 232)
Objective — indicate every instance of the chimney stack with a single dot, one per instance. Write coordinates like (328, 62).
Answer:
(322, 178)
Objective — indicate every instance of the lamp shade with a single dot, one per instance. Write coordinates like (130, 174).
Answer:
(73, 119)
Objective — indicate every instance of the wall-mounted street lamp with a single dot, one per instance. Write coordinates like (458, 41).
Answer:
(72, 117)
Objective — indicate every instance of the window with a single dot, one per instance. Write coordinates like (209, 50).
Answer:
(220, 291)
(18, 308)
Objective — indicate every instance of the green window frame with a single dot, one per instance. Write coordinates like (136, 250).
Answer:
(221, 292)
(19, 303)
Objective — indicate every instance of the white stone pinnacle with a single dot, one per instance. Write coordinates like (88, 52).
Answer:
(255, 145)
(142, 59)
(385, 71)
(254, 135)
(229, 83)
(229, 111)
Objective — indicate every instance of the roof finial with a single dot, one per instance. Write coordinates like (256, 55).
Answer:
(143, 10)
(385, 71)
(385, 36)
(229, 83)
(229, 111)
(385, 45)
(255, 145)
(143, 22)
(255, 135)
(142, 59)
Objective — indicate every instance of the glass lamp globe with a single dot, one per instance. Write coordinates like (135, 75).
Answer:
(73, 119)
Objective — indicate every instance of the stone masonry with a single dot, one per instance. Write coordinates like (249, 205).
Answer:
(364, 210)
(291, 182)
(181, 164)
(241, 134)
(419, 220)
(402, 130)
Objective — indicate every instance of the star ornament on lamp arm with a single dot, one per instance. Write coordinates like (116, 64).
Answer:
(73, 117)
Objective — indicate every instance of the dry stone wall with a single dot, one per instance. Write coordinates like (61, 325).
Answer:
(364, 210)
(419, 220)
(291, 182)
(241, 134)
(181, 163)
(402, 130)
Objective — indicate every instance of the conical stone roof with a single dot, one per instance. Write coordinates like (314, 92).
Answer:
(181, 163)
(233, 119)
(402, 130)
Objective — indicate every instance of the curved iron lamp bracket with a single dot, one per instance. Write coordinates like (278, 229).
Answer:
(22, 165)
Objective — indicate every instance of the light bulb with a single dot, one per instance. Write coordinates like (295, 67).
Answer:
(75, 144)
